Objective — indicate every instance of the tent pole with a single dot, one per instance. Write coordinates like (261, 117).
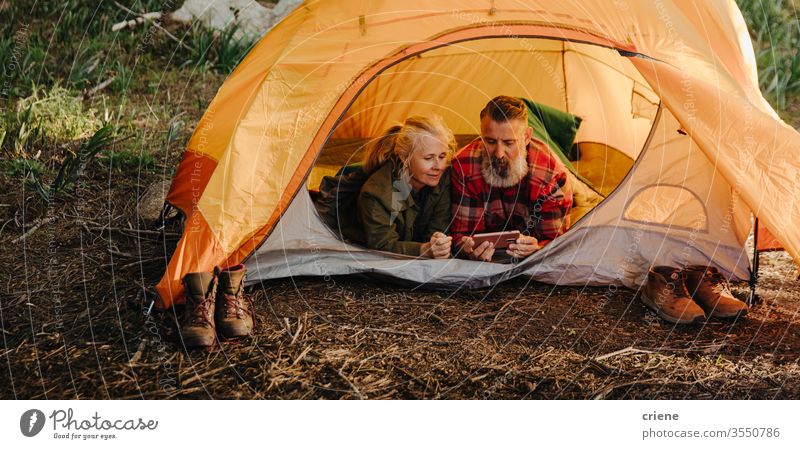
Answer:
(753, 299)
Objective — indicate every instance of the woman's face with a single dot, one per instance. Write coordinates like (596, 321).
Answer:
(427, 163)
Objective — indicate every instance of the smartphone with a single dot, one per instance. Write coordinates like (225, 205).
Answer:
(501, 240)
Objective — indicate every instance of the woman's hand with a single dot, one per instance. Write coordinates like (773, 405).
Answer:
(438, 247)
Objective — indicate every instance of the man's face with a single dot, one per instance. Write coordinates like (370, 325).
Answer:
(505, 142)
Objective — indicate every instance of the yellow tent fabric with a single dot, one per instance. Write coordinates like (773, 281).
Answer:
(345, 69)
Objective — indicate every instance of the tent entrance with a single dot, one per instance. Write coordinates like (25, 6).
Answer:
(454, 81)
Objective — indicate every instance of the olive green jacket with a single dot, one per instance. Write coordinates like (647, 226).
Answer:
(387, 212)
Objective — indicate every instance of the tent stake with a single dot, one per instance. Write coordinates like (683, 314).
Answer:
(753, 299)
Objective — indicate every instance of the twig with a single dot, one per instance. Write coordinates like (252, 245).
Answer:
(352, 385)
(433, 316)
(121, 254)
(4, 225)
(138, 355)
(652, 381)
(628, 350)
(503, 309)
(297, 334)
(710, 348)
(90, 93)
(37, 225)
(409, 334)
(140, 262)
(301, 356)
(137, 231)
(137, 21)
(205, 374)
(411, 376)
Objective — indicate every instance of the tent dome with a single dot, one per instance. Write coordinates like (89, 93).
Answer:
(672, 85)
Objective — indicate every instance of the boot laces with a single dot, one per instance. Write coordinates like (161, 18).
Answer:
(677, 285)
(719, 284)
(238, 305)
(201, 314)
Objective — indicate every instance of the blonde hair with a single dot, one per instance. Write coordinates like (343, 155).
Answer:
(400, 142)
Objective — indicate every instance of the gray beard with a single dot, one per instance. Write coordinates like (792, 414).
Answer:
(505, 173)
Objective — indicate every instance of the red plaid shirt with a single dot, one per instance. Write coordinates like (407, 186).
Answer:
(539, 205)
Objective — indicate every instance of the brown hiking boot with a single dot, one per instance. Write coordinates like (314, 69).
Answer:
(710, 290)
(197, 328)
(665, 293)
(235, 313)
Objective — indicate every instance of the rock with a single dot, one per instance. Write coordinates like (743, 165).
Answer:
(152, 200)
(253, 19)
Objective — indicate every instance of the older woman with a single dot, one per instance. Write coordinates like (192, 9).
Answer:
(404, 206)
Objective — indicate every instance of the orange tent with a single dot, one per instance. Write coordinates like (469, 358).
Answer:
(671, 85)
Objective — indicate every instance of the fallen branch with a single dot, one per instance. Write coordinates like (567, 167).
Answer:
(628, 350)
(155, 24)
(138, 354)
(140, 262)
(152, 16)
(396, 332)
(37, 224)
(91, 92)
(121, 254)
(137, 231)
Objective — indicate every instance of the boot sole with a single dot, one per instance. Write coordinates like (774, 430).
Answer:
(235, 333)
(199, 342)
(728, 316)
(669, 318)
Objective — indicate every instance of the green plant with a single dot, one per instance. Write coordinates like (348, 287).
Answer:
(201, 39)
(123, 76)
(73, 165)
(18, 59)
(21, 134)
(218, 50)
(59, 114)
(72, 21)
(230, 49)
(83, 73)
(174, 131)
(23, 168)
(127, 160)
(775, 31)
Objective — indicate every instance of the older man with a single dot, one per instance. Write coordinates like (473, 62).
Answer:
(507, 180)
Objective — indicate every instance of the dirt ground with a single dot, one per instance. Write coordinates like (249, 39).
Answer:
(76, 288)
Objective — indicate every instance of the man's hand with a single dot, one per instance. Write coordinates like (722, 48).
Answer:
(483, 252)
(524, 247)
